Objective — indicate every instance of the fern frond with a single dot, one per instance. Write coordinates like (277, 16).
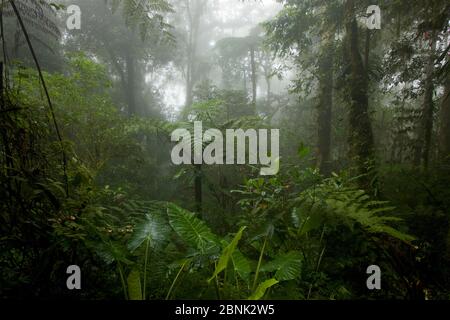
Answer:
(350, 206)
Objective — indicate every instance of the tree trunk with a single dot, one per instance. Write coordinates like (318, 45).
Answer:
(198, 185)
(131, 89)
(325, 106)
(361, 139)
(269, 90)
(444, 134)
(1, 85)
(367, 50)
(194, 16)
(428, 105)
(254, 79)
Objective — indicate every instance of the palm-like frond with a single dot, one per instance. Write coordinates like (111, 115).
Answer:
(350, 206)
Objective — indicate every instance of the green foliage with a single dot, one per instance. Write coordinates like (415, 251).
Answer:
(286, 266)
(152, 230)
(332, 199)
(134, 285)
(127, 217)
(146, 15)
(262, 288)
(241, 265)
(227, 254)
(191, 229)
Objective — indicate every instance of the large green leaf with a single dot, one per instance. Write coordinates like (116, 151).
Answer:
(110, 251)
(152, 229)
(241, 265)
(191, 229)
(227, 253)
(286, 266)
(262, 288)
(307, 218)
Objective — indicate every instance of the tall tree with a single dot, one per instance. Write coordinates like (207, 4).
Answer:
(195, 9)
(428, 107)
(133, 45)
(325, 105)
(361, 139)
(309, 39)
(416, 57)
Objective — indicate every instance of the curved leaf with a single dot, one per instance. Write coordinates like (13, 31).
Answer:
(227, 253)
(262, 288)
(241, 265)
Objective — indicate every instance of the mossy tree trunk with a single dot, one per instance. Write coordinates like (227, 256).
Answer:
(361, 140)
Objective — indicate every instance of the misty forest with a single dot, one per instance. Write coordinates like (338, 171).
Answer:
(92, 91)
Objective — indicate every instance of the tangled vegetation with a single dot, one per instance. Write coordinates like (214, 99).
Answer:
(86, 176)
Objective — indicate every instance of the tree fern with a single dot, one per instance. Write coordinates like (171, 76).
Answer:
(38, 16)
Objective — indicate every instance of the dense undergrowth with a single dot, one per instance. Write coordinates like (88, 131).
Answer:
(298, 235)
(87, 180)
